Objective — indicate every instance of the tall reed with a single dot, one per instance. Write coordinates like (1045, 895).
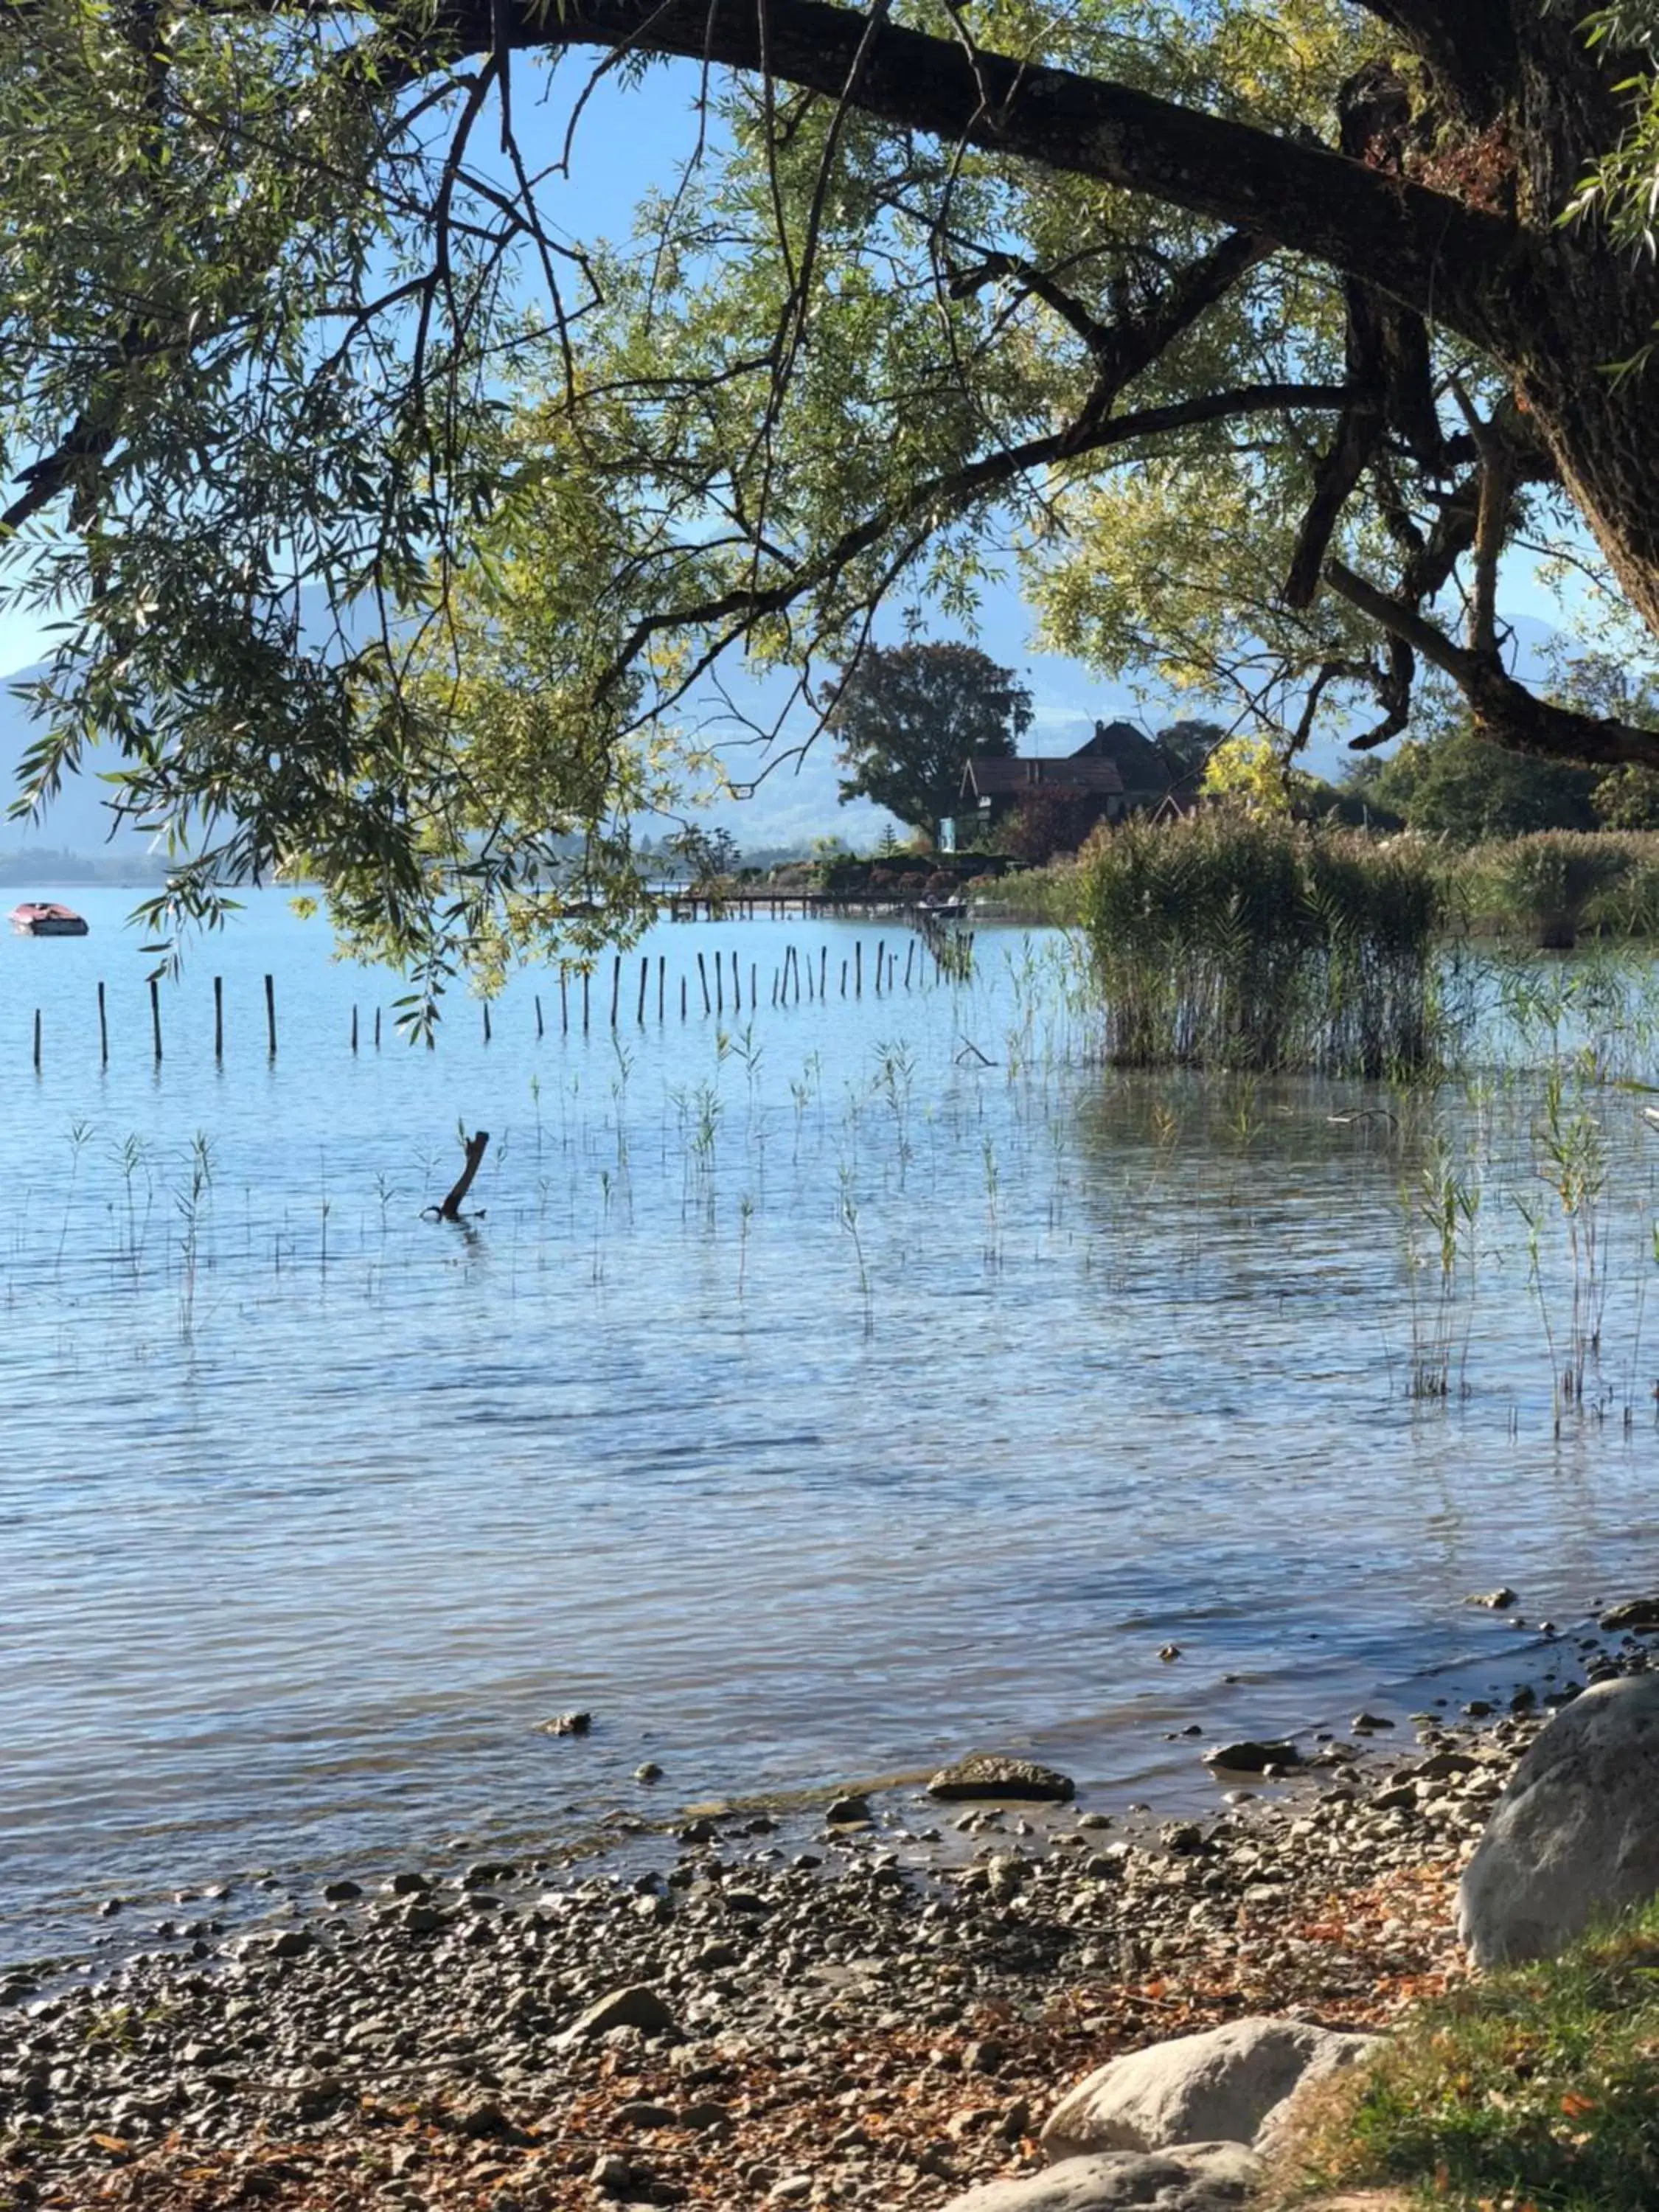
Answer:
(1223, 941)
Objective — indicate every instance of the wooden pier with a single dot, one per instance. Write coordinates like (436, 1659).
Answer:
(781, 905)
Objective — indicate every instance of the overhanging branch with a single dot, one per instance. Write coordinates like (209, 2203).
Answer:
(1503, 710)
(1423, 248)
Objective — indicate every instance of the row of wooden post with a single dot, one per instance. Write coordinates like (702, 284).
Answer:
(218, 1022)
(784, 977)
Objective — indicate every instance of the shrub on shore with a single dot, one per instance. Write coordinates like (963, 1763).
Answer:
(1226, 940)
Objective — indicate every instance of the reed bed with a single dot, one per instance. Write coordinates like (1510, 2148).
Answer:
(1228, 943)
(1558, 887)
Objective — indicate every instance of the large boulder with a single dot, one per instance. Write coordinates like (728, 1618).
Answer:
(1209, 2176)
(1223, 2086)
(1574, 1839)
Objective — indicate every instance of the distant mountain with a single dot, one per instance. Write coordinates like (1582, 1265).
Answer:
(79, 821)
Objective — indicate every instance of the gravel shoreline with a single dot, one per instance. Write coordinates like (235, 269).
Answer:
(877, 2014)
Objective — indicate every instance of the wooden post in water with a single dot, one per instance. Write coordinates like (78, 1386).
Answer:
(486, 1021)
(682, 998)
(616, 987)
(823, 971)
(775, 987)
(737, 984)
(451, 1208)
(37, 1040)
(645, 972)
(270, 1017)
(720, 986)
(751, 983)
(881, 948)
(156, 1016)
(843, 979)
(539, 1016)
(377, 1029)
(587, 979)
(219, 1018)
(908, 958)
(354, 1032)
(702, 977)
(858, 966)
(662, 983)
(103, 1031)
(564, 1004)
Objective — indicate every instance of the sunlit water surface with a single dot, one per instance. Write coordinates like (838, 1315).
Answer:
(824, 1386)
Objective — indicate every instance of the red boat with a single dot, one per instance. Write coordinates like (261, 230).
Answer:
(33, 919)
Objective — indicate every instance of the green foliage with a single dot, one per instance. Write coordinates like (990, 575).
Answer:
(910, 717)
(1628, 799)
(1187, 747)
(1534, 2086)
(1228, 941)
(1457, 786)
(1249, 773)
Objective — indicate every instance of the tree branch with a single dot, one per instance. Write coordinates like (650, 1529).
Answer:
(1422, 247)
(1504, 710)
(953, 491)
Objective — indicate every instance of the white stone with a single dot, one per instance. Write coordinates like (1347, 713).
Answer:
(1574, 1839)
(1222, 2086)
(1209, 2176)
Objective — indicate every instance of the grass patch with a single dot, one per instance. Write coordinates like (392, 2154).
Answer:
(1537, 2087)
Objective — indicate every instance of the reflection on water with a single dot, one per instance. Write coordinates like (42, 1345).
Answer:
(823, 1387)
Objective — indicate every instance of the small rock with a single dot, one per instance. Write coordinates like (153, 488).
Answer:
(636, 2006)
(408, 1885)
(612, 2174)
(1368, 1723)
(1638, 1612)
(848, 1812)
(644, 2115)
(992, 1774)
(1249, 1757)
(793, 2189)
(1498, 1601)
(647, 1771)
(571, 1723)
(340, 1892)
(1193, 2177)
(1167, 1652)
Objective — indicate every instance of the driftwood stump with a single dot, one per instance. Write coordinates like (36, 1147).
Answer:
(451, 1208)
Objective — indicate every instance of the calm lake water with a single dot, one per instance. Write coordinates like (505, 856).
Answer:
(826, 1387)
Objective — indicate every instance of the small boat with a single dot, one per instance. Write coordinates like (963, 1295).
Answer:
(35, 919)
(942, 909)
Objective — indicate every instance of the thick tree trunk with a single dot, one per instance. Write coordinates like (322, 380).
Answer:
(1583, 308)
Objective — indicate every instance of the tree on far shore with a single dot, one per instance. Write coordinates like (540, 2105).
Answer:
(909, 718)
